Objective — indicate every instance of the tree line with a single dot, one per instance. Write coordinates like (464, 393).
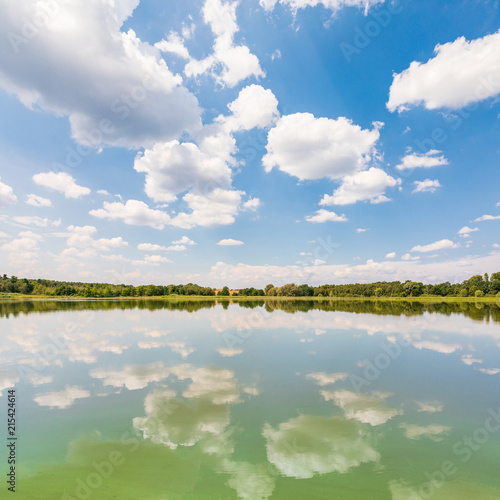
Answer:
(475, 286)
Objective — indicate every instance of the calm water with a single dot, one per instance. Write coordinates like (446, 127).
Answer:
(287, 400)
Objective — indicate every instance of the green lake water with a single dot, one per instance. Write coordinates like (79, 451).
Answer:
(255, 400)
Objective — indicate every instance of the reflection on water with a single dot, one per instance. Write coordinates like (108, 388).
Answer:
(190, 400)
(472, 309)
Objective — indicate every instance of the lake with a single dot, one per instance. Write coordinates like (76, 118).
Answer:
(252, 400)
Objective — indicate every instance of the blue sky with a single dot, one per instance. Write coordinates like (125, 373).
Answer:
(246, 143)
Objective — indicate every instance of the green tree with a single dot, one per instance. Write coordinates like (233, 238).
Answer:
(224, 292)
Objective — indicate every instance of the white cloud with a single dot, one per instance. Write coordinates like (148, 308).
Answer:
(202, 171)
(490, 371)
(217, 208)
(150, 247)
(362, 229)
(366, 409)
(467, 359)
(429, 407)
(461, 73)
(362, 186)
(307, 445)
(132, 377)
(62, 182)
(251, 204)
(156, 259)
(391, 255)
(323, 215)
(435, 271)
(36, 221)
(133, 212)
(437, 245)
(27, 241)
(62, 399)
(229, 64)
(7, 196)
(487, 217)
(254, 107)
(496, 245)
(465, 231)
(38, 201)
(184, 241)
(173, 167)
(323, 378)
(408, 256)
(433, 432)
(230, 242)
(117, 91)
(229, 352)
(81, 237)
(315, 148)
(427, 186)
(173, 44)
(333, 5)
(432, 345)
(432, 158)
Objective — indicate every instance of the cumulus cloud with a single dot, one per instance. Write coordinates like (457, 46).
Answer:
(487, 217)
(255, 107)
(150, 247)
(466, 230)
(433, 432)
(366, 409)
(62, 399)
(432, 158)
(202, 172)
(7, 196)
(437, 245)
(173, 167)
(38, 201)
(427, 186)
(462, 72)
(117, 91)
(217, 208)
(323, 215)
(229, 63)
(184, 241)
(309, 445)
(230, 243)
(314, 148)
(61, 182)
(133, 212)
(369, 185)
(391, 255)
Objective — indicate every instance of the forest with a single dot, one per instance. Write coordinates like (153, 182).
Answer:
(476, 286)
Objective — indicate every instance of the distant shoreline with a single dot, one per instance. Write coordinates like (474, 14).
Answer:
(236, 298)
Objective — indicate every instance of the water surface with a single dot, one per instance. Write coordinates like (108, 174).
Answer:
(255, 400)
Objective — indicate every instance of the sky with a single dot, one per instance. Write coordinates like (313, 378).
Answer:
(249, 142)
